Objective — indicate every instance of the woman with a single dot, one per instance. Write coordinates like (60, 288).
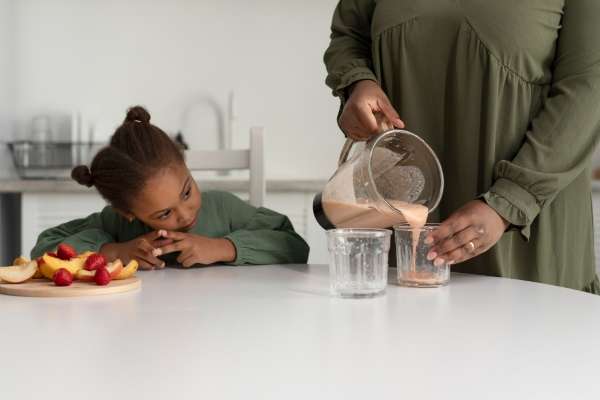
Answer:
(508, 95)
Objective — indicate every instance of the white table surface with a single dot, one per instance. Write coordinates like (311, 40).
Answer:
(274, 332)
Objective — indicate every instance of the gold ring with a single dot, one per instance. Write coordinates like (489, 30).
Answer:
(471, 247)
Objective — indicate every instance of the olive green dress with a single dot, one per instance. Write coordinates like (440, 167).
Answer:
(508, 95)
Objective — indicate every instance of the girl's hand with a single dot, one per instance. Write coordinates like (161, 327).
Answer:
(468, 232)
(196, 249)
(144, 249)
(364, 111)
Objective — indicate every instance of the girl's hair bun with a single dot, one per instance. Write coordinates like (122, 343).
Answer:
(82, 175)
(138, 114)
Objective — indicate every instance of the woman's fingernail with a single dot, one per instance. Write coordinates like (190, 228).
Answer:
(431, 255)
(156, 252)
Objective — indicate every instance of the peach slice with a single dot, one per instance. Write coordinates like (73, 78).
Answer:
(114, 268)
(85, 276)
(18, 273)
(129, 270)
(53, 264)
(85, 254)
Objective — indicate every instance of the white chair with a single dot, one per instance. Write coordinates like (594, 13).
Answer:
(227, 160)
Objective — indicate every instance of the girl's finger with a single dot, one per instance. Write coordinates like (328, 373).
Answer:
(455, 242)
(188, 261)
(149, 259)
(174, 235)
(144, 264)
(185, 254)
(152, 235)
(146, 251)
(161, 242)
(172, 248)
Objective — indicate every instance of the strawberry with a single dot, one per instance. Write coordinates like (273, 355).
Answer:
(65, 252)
(102, 276)
(63, 277)
(95, 261)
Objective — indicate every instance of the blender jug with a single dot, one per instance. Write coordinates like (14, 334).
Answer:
(379, 184)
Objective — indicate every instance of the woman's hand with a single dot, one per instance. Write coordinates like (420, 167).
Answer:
(144, 249)
(196, 249)
(368, 112)
(468, 232)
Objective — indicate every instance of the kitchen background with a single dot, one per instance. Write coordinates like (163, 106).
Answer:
(96, 58)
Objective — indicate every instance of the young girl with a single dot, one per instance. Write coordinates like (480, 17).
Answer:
(158, 216)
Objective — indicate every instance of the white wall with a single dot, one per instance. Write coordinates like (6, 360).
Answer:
(102, 56)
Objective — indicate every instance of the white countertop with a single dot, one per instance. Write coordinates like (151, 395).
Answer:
(230, 185)
(274, 332)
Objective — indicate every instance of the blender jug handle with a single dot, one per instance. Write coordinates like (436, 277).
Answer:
(384, 126)
(345, 151)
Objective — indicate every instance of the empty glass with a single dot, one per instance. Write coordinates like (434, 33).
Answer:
(358, 263)
(414, 269)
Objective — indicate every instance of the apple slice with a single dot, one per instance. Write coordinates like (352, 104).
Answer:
(53, 264)
(85, 276)
(21, 260)
(114, 268)
(129, 270)
(18, 273)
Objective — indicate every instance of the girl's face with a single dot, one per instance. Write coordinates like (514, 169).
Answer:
(170, 200)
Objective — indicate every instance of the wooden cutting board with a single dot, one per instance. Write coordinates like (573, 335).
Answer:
(46, 288)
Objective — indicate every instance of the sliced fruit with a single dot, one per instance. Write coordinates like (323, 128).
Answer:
(21, 260)
(63, 277)
(86, 254)
(102, 276)
(85, 276)
(114, 268)
(38, 273)
(94, 261)
(65, 252)
(129, 270)
(18, 273)
(53, 264)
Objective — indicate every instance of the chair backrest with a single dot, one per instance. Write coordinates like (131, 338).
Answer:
(226, 160)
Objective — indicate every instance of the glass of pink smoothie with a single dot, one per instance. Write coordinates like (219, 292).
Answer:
(414, 269)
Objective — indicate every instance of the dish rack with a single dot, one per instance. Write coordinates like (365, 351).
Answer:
(50, 160)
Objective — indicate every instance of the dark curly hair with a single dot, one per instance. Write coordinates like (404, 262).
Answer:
(137, 150)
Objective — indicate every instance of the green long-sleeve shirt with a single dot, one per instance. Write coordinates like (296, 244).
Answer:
(260, 236)
(507, 92)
